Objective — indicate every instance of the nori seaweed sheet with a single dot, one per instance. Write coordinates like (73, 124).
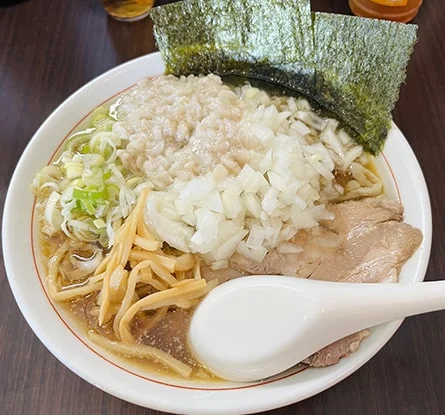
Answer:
(351, 66)
(267, 39)
(360, 65)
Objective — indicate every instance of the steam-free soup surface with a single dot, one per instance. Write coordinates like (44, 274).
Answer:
(145, 212)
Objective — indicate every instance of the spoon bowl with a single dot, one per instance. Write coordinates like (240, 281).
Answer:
(237, 330)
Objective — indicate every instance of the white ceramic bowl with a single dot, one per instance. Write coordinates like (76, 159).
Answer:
(403, 178)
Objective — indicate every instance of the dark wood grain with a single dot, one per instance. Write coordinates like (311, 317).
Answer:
(48, 49)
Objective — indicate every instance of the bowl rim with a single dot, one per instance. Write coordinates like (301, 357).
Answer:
(208, 401)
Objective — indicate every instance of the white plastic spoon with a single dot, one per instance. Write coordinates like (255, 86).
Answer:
(254, 327)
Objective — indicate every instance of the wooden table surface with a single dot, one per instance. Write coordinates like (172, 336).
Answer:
(48, 49)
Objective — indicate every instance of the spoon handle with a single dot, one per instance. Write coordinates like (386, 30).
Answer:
(367, 305)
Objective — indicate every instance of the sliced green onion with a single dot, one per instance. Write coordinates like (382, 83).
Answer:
(134, 181)
(88, 207)
(79, 139)
(80, 225)
(51, 214)
(73, 170)
(93, 176)
(99, 224)
(88, 190)
(89, 195)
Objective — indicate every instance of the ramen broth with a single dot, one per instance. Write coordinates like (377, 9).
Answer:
(170, 335)
(169, 332)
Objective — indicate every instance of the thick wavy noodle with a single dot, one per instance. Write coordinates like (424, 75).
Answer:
(135, 262)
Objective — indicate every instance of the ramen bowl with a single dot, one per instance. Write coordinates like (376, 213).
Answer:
(402, 179)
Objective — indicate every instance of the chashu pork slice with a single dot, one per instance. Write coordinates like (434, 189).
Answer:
(367, 242)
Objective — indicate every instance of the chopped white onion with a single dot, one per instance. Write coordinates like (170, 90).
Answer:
(261, 200)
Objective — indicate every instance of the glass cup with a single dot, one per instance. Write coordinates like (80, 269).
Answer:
(128, 10)
(396, 10)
